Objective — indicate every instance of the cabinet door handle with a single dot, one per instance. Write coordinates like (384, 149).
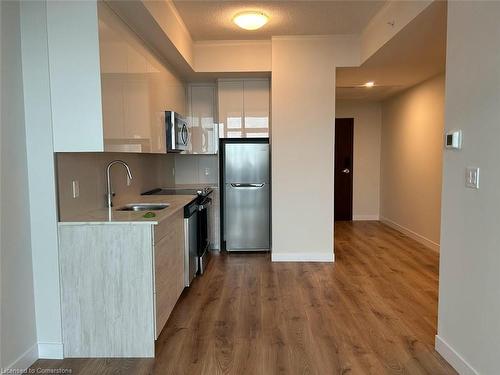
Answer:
(346, 171)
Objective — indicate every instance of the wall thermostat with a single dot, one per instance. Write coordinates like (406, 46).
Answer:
(454, 139)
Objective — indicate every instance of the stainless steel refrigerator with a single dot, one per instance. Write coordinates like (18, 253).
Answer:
(246, 195)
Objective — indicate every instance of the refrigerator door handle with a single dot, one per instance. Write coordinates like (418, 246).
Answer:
(247, 185)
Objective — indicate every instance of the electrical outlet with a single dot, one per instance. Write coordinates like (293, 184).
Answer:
(207, 171)
(472, 177)
(75, 185)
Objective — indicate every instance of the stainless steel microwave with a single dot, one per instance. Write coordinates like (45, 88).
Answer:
(177, 132)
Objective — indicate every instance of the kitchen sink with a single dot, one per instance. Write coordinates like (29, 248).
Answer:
(143, 207)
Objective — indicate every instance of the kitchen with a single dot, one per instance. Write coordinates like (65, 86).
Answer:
(168, 193)
(156, 194)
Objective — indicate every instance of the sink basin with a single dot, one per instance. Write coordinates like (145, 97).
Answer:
(143, 207)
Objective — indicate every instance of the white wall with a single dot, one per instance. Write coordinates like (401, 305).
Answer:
(167, 17)
(41, 172)
(411, 161)
(469, 293)
(303, 116)
(232, 56)
(366, 161)
(389, 21)
(17, 324)
(1, 170)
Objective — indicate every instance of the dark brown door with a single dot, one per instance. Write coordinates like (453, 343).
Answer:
(344, 137)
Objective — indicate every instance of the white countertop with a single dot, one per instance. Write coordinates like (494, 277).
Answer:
(105, 216)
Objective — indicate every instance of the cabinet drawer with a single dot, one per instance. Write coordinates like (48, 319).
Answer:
(166, 227)
(169, 270)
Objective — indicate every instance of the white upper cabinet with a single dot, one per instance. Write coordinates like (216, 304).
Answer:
(243, 108)
(127, 80)
(109, 91)
(75, 85)
(113, 110)
(256, 102)
(230, 109)
(202, 119)
(132, 74)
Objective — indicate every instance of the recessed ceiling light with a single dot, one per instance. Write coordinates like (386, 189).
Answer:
(369, 84)
(250, 20)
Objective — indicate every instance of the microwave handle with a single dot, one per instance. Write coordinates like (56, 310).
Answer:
(184, 134)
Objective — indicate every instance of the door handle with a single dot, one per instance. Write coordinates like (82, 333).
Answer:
(346, 171)
(247, 185)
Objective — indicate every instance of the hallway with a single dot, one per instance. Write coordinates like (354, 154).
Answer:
(373, 311)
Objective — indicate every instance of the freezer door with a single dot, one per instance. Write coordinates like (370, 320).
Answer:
(246, 216)
(246, 162)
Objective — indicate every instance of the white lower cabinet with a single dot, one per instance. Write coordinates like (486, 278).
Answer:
(169, 268)
(119, 285)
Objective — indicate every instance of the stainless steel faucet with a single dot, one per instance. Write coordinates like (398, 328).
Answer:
(109, 193)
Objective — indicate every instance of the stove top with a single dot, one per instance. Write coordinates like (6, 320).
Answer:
(203, 192)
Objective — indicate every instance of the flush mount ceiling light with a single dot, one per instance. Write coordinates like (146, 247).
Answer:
(250, 20)
(369, 84)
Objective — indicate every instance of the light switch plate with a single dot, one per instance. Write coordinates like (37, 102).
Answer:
(472, 177)
(75, 185)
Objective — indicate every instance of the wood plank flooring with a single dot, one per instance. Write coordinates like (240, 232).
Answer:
(371, 312)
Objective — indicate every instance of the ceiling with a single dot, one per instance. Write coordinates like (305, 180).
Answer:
(416, 53)
(212, 20)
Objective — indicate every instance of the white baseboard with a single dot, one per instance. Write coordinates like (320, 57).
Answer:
(365, 217)
(453, 358)
(417, 237)
(25, 360)
(50, 350)
(303, 257)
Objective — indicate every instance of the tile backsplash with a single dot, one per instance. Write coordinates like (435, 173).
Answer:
(149, 171)
(196, 169)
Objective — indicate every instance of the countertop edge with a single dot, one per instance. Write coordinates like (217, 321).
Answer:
(132, 222)
(93, 217)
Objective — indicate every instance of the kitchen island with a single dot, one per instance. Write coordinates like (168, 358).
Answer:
(121, 275)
